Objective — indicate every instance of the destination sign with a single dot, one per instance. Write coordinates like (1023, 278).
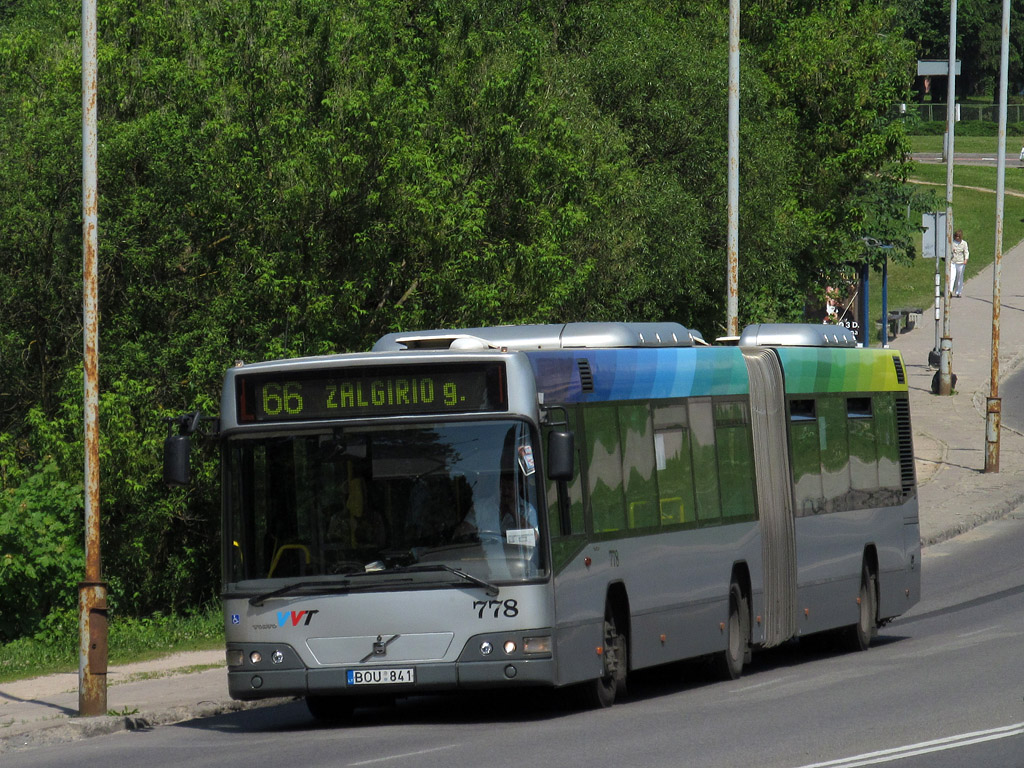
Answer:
(343, 393)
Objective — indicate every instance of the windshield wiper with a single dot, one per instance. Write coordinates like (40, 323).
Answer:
(492, 589)
(345, 585)
(323, 587)
(259, 599)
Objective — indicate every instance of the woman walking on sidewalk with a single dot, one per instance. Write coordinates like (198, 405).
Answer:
(961, 253)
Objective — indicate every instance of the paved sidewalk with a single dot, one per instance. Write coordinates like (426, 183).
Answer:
(140, 696)
(955, 495)
(949, 432)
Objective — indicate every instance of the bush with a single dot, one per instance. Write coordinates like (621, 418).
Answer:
(965, 128)
(41, 558)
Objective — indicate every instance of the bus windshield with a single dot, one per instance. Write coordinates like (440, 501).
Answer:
(359, 500)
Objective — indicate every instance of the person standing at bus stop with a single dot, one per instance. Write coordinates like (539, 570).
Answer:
(961, 253)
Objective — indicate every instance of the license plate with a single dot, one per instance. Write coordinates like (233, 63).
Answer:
(398, 676)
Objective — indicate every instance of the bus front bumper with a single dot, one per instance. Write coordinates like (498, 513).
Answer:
(247, 685)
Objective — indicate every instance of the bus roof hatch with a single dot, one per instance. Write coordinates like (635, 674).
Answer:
(797, 335)
(553, 336)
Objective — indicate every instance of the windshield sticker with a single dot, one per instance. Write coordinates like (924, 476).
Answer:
(524, 537)
(526, 459)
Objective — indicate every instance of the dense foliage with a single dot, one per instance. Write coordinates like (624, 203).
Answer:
(978, 42)
(290, 177)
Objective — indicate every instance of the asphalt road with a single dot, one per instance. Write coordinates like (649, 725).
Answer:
(970, 158)
(943, 686)
(1011, 392)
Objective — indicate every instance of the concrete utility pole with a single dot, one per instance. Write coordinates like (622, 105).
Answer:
(946, 345)
(733, 204)
(994, 404)
(92, 593)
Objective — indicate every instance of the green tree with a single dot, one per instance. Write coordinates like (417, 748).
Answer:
(843, 68)
(297, 177)
(40, 543)
(978, 41)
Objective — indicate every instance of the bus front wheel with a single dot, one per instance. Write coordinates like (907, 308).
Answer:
(602, 692)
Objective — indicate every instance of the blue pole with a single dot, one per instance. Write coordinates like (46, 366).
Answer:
(865, 338)
(885, 302)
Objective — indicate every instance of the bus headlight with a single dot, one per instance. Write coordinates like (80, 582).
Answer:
(236, 657)
(510, 647)
(537, 644)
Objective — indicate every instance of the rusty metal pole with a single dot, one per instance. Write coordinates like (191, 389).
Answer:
(946, 345)
(993, 409)
(92, 593)
(733, 203)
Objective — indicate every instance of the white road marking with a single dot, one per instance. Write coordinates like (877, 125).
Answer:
(924, 748)
(755, 686)
(981, 631)
(417, 753)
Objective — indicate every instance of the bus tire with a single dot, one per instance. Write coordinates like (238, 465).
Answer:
(602, 692)
(330, 709)
(737, 640)
(866, 629)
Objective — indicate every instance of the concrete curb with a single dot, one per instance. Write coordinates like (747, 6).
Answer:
(62, 729)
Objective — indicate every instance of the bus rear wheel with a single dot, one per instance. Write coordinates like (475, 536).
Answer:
(866, 629)
(737, 642)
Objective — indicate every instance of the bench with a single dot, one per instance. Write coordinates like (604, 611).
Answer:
(902, 320)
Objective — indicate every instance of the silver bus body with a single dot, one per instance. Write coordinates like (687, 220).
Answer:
(798, 554)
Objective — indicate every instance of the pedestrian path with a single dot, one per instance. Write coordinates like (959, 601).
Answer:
(949, 431)
(180, 687)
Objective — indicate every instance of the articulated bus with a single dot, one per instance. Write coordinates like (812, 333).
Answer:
(556, 505)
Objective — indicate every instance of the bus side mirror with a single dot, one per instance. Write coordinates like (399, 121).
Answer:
(177, 452)
(178, 448)
(561, 456)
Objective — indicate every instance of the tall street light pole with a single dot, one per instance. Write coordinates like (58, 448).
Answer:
(994, 404)
(92, 592)
(732, 277)
(946, 345)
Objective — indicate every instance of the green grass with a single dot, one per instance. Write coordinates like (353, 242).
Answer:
(56, 648)
(912, 285)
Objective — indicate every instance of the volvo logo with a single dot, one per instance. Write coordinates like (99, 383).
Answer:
(380, 647)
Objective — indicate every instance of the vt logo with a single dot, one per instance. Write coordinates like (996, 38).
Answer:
(283, 617)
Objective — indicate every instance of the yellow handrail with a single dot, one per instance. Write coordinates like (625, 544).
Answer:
(280, 551)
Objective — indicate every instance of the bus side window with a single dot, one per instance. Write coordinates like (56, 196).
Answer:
(735, 449)
(705, 461)
(640, 486)
(674, 465)
(863, 449)
(887, 441)
(835, 452)
(806, 446)
(604, 468)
